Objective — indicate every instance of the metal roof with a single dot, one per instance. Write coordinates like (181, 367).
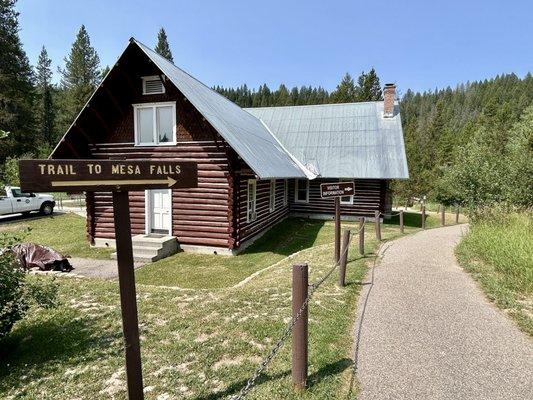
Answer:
(351, 140)
(244, 133)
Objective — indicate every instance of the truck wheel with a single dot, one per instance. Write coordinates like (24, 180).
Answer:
(47, 209)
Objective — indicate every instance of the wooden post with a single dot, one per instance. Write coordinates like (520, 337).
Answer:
(401, 221)
(362, 235)
(128, 301)
(423, 217)
(300, 282)
(377, 224)
(457, 215)
(337, 228)
(443, 215)
(438, 209)
(344, 257)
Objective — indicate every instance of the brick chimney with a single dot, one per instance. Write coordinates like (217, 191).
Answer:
(389, 95)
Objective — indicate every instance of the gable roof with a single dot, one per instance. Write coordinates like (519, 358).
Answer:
(351, 140)
(243, 132)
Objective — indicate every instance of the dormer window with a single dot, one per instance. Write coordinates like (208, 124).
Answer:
(154, 123)
(153, 85)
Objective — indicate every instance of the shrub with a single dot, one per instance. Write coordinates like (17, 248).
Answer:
(17, 295)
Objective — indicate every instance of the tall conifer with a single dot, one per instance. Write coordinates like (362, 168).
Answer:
(16, 87)
(45, 105)
(346, 91)
(80, 76)
(163, 48)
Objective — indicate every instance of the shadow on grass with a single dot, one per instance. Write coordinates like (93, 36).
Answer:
(287, 237)
(327, 370)
(41, 344)
(412, 219)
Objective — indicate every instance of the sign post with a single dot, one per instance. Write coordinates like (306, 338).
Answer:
(337, 190)
(117, 177)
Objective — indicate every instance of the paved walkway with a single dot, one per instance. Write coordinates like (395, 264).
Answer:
(91, 268)
(428, 332)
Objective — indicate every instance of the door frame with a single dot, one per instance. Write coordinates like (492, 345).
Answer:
(148, 210)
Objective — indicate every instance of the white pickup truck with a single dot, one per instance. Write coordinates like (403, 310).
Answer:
(13, 201)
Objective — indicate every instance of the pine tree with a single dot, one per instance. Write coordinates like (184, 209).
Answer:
(79, 78)
(163, 47)
(369, 88)
(46, 109)
(16, 87)
(346, 91)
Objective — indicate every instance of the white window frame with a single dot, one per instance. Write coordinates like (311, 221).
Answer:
(251, 205)
(272, 196)
(155, 134)
(285, 192)
(151, 78)
(296, 200)
(350, 202)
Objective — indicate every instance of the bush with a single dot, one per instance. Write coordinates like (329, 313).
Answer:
(17, 295)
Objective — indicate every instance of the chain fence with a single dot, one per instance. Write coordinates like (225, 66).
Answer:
(288, 330)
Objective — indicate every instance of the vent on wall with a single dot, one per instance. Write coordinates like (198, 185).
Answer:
(153, 85)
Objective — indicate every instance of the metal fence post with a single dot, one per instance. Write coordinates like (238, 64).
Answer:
(300, 282)
(443, 215)
(377, 225)
(423, 217)
(344, 257)
(362, 235)
(401, 221)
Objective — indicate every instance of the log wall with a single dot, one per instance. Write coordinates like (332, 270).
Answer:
(265, 218)
(370, 195)
(199, 216)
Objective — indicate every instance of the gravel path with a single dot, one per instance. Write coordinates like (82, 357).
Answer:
(426, 331)
(106, 269)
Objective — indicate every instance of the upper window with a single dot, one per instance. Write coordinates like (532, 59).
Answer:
(155, 123)
(153, 85)
(251, 215)
(301, 191)
(272, 198)
(346, 199)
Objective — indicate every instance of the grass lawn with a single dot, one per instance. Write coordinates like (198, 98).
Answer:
(63, 232)
(196, 344)
(499, 254)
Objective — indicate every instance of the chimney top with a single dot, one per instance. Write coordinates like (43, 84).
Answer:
(389, 95)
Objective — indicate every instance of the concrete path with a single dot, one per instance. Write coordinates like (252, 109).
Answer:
(91, 268)
(426, 331)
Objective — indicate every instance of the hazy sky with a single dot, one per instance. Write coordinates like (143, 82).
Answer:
(417, 44)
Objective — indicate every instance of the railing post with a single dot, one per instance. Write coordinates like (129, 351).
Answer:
(443, 215)
(362, 235)
(457, 215)
(300, 282)
(401, 221)
(344, 257)
(377, 225)
(423, 217)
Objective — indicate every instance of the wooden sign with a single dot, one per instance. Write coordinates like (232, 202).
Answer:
(105, 175)
(336, 189)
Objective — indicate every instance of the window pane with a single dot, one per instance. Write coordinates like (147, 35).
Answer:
(165, 124)
(145, 125)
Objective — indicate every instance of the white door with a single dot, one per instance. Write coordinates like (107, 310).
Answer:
(22, 201)
(159, 203)
(5, 203)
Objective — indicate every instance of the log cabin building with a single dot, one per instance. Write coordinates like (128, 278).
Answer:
(255, 166)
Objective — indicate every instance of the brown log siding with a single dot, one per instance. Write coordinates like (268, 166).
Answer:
(265, 218)
(199, 215)
(369, 197)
